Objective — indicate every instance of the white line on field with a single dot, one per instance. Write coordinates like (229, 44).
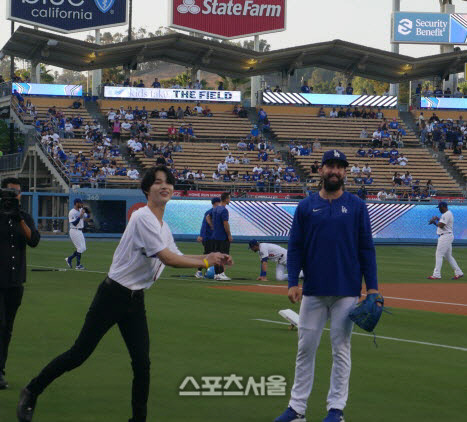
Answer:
(251, 284)
(424, 343)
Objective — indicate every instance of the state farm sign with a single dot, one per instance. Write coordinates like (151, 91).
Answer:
(228, 18)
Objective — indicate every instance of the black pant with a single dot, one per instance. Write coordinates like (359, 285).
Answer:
(112, 304)
(222, 246)
(208, 246)
(10, 300)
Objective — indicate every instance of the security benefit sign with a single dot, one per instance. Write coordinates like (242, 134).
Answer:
(68, 15)
(228, 18)
(429, 28)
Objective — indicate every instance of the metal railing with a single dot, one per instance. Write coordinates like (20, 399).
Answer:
(11, 162)
(5, 89)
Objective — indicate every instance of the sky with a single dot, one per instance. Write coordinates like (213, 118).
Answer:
(365, 22)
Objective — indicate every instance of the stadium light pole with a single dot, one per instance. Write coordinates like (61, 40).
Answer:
(12, 58)
(394, 88)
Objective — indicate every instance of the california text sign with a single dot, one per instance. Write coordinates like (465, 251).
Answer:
(228, 18)
(68, 15)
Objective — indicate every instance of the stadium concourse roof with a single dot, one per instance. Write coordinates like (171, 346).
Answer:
(225, 59)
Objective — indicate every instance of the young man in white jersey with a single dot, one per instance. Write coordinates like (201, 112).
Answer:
(145, 248)
(271, 252)
(445, 232)
(76, 218)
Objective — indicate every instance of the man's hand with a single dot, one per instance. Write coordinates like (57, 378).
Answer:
(199, 239)
(82, 212)
(295, 294)
(230, 238)
(217, 258)
(262, 278)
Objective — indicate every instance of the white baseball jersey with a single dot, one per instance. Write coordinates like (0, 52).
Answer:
(135, 264)
(273, 252)
(448, 219)
(73, 215)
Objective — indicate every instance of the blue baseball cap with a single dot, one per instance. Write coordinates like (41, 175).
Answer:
(334, 154)
(442, 204)
(78, 201)
(252, 242)
(215, 200)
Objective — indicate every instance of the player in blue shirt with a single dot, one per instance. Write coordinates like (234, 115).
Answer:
(331, 241)
(206, 234)
(219, 221)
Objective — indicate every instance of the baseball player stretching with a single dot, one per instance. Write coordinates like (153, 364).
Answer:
(331, 241)
(445, 232)
(146, 247)
(76, 218)
(275, 253)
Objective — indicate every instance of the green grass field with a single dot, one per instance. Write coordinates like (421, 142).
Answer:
(199, 331)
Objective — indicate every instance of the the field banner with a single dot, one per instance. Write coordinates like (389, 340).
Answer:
(172, 94)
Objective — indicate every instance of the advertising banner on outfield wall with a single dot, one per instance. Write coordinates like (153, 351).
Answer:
(48, 89)
(228, 18)
(68, 15)
(203, 95)
(434, 102)
(429, 28)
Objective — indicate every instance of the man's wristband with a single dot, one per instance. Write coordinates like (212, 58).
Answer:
(206, 263)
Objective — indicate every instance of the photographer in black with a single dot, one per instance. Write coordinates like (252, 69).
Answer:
(17, 230)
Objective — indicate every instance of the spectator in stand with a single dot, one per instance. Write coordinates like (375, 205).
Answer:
(207, 112)
(216, 175)
(156, 83)
(316, 145)
(262, 115)
(368, 180)
(341, 113)
(349, 89)
(333, 112)
(242, 145)
(321, 112)
(163, 114)
(133, 174)
(447, 93)
(340, 89)
(362, 193)
(402, 160)
(366, 170)
(315, 168)
(458, 93)
(198, 109)
(220, 87)
(391, 196)
(382, 195)
(161, 160)
(277, 89)
(222, 166)
(355, 170)
(230, 159)
(245, 159)
(380, 115)
(394, 124)
(69, 129)
(77, 104)
(431, 189)
(171, 114)
(364, 133)
(361, 152)
(242, 113)
(254, 133)
(305, 88)
(140, 84)
(197, 85)
(438, 92)
(418, 90)
(376, 138)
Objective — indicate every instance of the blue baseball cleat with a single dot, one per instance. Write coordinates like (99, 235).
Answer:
(290, 415)
(334, 415)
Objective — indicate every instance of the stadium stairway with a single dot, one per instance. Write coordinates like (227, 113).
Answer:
(408, 119)
(93, 109)
(444, 161)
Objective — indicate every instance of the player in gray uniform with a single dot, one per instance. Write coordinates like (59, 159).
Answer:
(76, 218)
(271, 252)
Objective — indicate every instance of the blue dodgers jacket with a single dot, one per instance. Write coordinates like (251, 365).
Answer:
(333, 244)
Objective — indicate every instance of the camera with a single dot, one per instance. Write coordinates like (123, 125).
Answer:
(9, 205)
